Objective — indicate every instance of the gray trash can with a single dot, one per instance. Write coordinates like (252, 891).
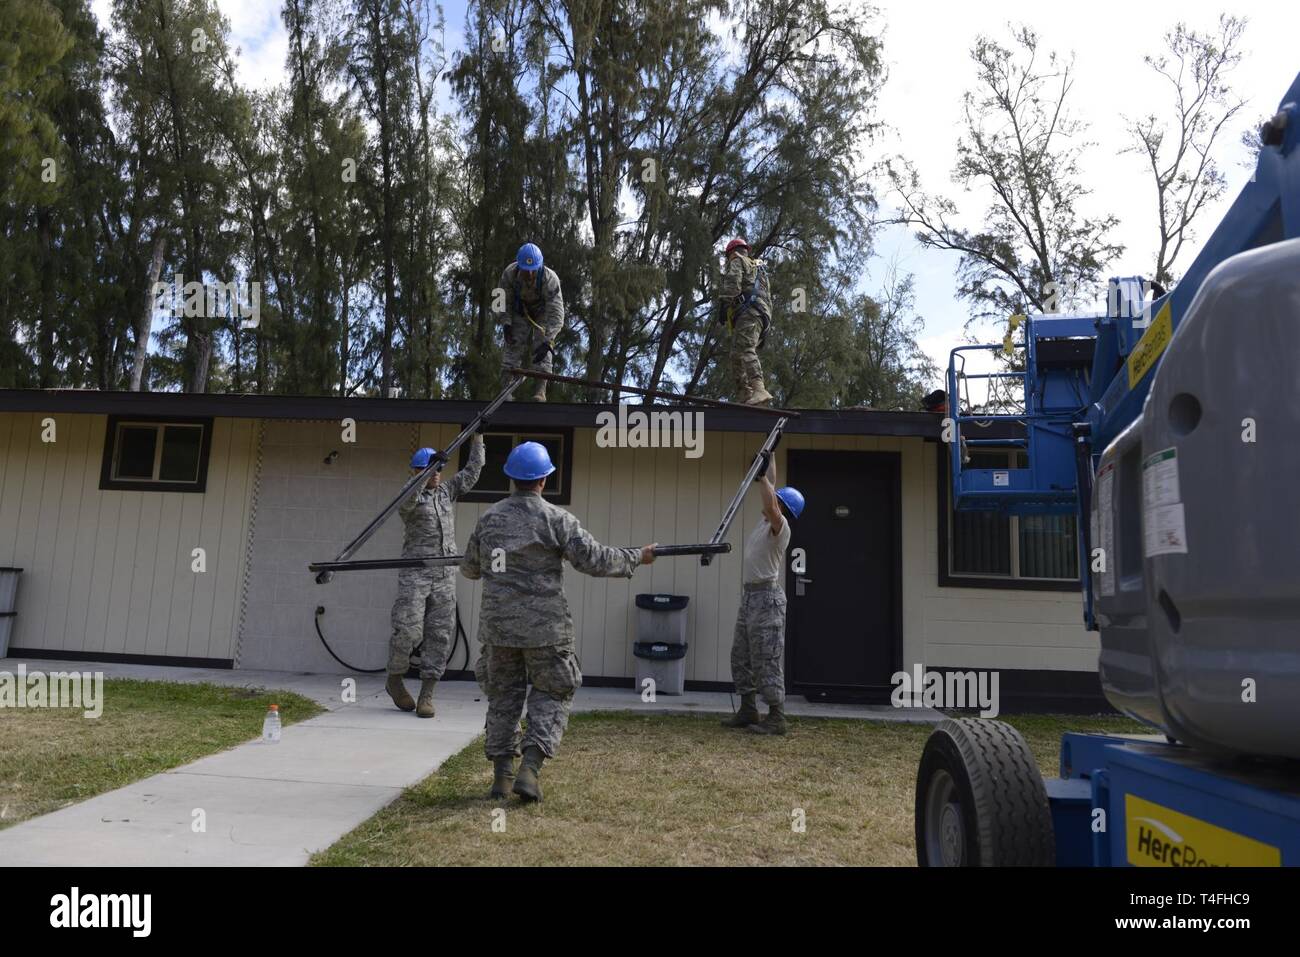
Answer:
(8, 605)
(660, 647)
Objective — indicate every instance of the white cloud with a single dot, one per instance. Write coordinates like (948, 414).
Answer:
(255, 29)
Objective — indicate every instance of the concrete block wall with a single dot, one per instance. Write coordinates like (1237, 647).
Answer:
(307, 511)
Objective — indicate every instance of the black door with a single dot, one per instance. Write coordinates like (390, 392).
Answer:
(844, 626)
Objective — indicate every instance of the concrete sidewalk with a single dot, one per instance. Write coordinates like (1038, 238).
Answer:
(278, 804)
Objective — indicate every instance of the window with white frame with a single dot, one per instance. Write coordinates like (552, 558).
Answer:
(143, 454)
(494, 485)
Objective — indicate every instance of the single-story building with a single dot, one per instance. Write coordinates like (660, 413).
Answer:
(106, 498)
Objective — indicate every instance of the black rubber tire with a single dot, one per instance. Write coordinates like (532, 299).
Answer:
(997, 813)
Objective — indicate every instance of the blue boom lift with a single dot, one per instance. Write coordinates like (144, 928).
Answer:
(1170, 427)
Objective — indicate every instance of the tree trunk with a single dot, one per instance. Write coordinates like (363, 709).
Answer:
(46, 316)
(202, 342)
(666, 340)
(343, 336)
(144, 327)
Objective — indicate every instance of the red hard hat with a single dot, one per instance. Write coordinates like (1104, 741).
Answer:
(736, 243)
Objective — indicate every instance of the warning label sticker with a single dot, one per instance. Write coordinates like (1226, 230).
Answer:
(1160, 479)
(1164, 528)
(1151, 345)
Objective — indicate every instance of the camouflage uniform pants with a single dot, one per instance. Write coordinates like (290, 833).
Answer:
(425, 611)
(746, 330)
(505, 674)
(758, 649)
(522, 337)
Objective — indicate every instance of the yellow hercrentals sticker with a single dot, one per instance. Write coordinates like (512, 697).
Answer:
(1149, 347)
(1159, 837)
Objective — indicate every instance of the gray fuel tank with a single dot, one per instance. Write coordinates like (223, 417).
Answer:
(1197, 505)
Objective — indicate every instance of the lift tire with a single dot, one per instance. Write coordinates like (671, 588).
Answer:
(980, 801)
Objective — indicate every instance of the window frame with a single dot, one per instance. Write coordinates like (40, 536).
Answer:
(115, 422)
(947, 579)
(562, 495)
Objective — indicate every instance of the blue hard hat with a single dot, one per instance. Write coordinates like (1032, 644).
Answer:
(528, 462)
(422, 458)
(792, 499)
(529, 258)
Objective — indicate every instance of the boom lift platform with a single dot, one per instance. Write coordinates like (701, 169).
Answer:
(1167, 427)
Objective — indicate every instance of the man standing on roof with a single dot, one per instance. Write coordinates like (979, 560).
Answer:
(758, 649)
(425, 610)
(534, 315)
(746, 303)
(526, 632)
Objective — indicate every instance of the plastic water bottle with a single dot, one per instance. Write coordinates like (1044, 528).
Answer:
(271, 726)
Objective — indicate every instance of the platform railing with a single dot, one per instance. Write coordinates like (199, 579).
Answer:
(1029, 488)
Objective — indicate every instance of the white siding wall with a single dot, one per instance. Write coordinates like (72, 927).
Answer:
(110, 571)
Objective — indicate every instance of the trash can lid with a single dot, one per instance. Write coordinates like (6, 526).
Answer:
(662, 602)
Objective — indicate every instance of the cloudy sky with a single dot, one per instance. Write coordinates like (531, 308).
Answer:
(927, 48)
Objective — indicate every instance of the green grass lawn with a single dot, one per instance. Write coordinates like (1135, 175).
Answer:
(53, 757)
(651, 789)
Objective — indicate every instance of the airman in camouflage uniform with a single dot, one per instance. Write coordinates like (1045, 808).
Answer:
(748, 310)
(425, 609)
(758, 648)
(534, 316)
(526, 631)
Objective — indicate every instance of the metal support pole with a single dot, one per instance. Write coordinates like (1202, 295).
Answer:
(654, 393)
(709, 548)
(729, 515)
(435, 561)
(706, 550)
(379, 564)
(439, 460)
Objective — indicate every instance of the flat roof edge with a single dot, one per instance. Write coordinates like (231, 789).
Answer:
(333, 408)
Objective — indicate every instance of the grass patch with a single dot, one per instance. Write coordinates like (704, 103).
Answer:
(52, 757)
(651, 789)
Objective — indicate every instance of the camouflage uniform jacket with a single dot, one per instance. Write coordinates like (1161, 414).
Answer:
(526, 300)
(523, 585)
(737, 279)
(428, 515)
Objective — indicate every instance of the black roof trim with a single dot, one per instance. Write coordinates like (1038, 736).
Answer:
(577, 415)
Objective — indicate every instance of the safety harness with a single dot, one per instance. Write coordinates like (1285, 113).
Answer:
(760, 279)
(750, 295)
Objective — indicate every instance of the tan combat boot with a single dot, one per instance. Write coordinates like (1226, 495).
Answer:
(773, 722)
(424, 708)
(747, 715)
(759, 395)
(503, 776)
(527, 785)
(396, 689)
